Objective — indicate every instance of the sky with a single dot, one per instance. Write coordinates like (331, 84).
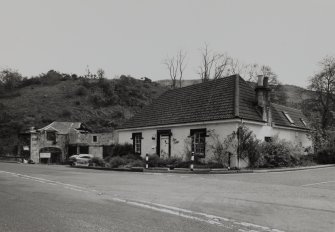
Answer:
(133, 37)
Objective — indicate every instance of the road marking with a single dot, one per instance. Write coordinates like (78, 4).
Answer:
(185, 213)
(325, 182)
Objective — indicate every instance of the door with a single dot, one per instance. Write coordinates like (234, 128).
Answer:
(164, 146)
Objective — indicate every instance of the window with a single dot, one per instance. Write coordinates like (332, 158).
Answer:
(199, 142)
(137, 140)
(51, 136)
(95, 139)
(268, 139)
(303, 122)
(288, 117)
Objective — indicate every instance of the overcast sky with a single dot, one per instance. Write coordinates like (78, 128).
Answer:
(134, 37)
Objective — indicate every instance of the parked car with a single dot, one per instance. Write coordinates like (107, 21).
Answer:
(80, 160)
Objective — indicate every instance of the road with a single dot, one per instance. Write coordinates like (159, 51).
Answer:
(60, 198)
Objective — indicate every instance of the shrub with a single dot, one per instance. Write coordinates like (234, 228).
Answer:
(156, 161)
(81, 91)
(97, 161)
(66, 113)
(136, 163)
(123, 150)
(279, 153)
(126, 161)
(307, 160)
(326, 156)
(117, 161)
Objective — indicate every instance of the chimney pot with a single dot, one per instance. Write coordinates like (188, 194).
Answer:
(260, 80)
(266, 82)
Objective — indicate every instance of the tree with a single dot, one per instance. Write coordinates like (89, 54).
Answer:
(323, 83)
(176, 67)
(10, 79)
(213, 65)
(100, 73)
(278, 93)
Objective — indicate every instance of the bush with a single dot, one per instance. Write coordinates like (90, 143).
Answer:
(117, 161)
(326, 156)
(81, 91)
(156, 161)
(97, 161)
(279, 153)
(135, 163)
(125, 161)
(66, 113)
(123, 150)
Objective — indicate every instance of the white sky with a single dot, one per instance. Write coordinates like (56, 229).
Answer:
(134, 36)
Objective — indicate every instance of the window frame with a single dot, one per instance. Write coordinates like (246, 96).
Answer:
(303, 122)
(53, 133)
(137, 142)
(94, 138)
(199, 145)
(288, 117)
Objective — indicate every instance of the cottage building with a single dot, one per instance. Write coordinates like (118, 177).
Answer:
(57, 141)
(183, 118)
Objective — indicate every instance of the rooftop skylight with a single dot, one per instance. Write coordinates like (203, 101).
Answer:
(303, 122)
(288, 117)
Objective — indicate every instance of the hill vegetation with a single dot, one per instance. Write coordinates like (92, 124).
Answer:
(101, 103)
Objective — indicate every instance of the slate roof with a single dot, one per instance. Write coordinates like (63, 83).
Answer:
(280, 119)
(62, 127)
(212, 100)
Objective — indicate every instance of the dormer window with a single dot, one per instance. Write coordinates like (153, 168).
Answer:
(303, 122)
(288, 117)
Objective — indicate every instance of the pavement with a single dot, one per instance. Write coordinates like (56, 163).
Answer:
(60, 198)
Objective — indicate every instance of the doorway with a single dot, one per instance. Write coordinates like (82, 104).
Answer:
(164, 143)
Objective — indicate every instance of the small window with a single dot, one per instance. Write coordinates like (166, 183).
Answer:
(51, 136)
(198, 137)
(268, 139)
(288, 117)
(137, 142)
(95, 139)
(303, 122)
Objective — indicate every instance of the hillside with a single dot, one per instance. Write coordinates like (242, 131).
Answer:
(101, 104)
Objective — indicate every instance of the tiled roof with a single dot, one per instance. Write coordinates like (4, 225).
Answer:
(62, 127)
(212, 100)
(279, 118)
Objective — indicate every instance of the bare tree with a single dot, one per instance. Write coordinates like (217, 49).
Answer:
(101, 73)
(323, 83)
(207, 62)
(213, 65)
(176, 66)
(222, 64)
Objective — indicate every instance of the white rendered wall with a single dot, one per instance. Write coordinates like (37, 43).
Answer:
(223, 129)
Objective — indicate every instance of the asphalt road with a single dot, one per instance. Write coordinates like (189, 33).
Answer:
(60, 198)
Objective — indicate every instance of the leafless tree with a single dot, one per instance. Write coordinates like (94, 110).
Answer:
(222, 64)
(176, 66)
(213, 65)
(323, 83)
(101, 73)
(207, 62)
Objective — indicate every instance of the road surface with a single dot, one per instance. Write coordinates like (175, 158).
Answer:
(60, 198)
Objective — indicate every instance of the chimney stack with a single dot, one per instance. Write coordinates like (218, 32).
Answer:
(263, 97)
